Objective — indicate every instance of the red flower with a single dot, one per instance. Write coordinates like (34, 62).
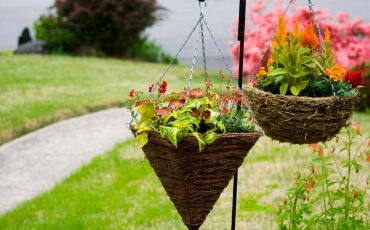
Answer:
(151, 87)
(315, 147)
(224, 111)
(354, 77)
(355, 195)
(368, 158)
(309, 186)
(132, 93)
(163, 88)
(208, 84)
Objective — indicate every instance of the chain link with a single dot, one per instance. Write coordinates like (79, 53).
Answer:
(318, 31)
(188, 86)
(233, 78)
(177, 54)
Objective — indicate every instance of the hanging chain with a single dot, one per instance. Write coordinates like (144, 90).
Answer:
(267, 47)
(203, 51)
(177, 54)
(318, 31)
(188, 86)
(233, 78)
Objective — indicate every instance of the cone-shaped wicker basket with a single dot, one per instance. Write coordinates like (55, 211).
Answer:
(194, 180)
(300, 120)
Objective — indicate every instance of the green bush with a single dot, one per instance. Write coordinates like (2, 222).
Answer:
(60, 39)
(91, 27)
(147, 50)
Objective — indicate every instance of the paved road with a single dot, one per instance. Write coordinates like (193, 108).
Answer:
(34, 163)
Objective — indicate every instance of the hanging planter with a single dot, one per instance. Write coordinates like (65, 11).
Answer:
(194, 180)
(195, 140)
(300, 95)
(301, 120)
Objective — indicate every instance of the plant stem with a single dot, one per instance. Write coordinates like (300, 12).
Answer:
(347, 197)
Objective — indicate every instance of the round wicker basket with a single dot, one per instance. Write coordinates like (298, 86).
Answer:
(194, 180)
(300, 120)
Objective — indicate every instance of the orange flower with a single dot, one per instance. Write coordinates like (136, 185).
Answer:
(270, 61)
(281, 33)
(368, 158)
(309, 37)
(315, 147)
(355, 195)
(224, 111)
(261, 73)
(321, 152)
(296, 31)
(336, 73)
(208, 84)
(327, 37)
(309, 186)
(356, 127)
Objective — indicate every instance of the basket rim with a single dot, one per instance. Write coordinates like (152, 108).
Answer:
(302, 98)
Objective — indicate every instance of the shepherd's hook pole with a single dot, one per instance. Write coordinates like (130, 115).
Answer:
(241, 29)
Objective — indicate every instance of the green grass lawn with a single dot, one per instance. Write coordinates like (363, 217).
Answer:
(119, 190)
(39, 90)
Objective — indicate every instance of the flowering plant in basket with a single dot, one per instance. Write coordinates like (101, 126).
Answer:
(202, 113)
(300, 66)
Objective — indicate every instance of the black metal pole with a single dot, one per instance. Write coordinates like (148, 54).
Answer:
(241, 29)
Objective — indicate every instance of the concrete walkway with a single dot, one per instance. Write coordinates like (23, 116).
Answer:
(34, 163)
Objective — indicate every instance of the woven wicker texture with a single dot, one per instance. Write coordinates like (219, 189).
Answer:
(194, 180)
(300, 120)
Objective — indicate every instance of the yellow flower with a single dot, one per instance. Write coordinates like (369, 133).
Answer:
(261, 73)
(336, 73)
(309, 37)
(281, 33)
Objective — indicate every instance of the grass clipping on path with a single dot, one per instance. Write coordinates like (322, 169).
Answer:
(119, 190)
(39, 90)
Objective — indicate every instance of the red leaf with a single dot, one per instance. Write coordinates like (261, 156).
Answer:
(163, 112)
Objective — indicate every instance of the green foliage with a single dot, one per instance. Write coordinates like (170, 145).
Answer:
(147, 50)
(333, 194)
(293, 65)
(321, 87)
(60, 39)
(238, 121)
(97, 27)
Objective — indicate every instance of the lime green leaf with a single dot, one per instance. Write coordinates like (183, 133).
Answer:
(278, 71)
(193, 104)
(201, 142)
(213, 116)
(221, 126)
(170, 133)
(295, 90)
(279, 79)
(306, 59)
(283, 88)
(142, 138)
(144, 127)
(146, 112)
(303, 85)
(210, 137)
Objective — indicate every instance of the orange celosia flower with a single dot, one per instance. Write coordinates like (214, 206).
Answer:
(327, 39)
(309, 186)
(270, 61)
(296, 31)
(281, 33)
(261, 73)
(309, 37)
(336, 73)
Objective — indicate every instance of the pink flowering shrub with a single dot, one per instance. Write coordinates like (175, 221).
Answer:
(351, 38)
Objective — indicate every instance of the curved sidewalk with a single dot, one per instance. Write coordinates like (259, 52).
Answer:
(37, 161)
